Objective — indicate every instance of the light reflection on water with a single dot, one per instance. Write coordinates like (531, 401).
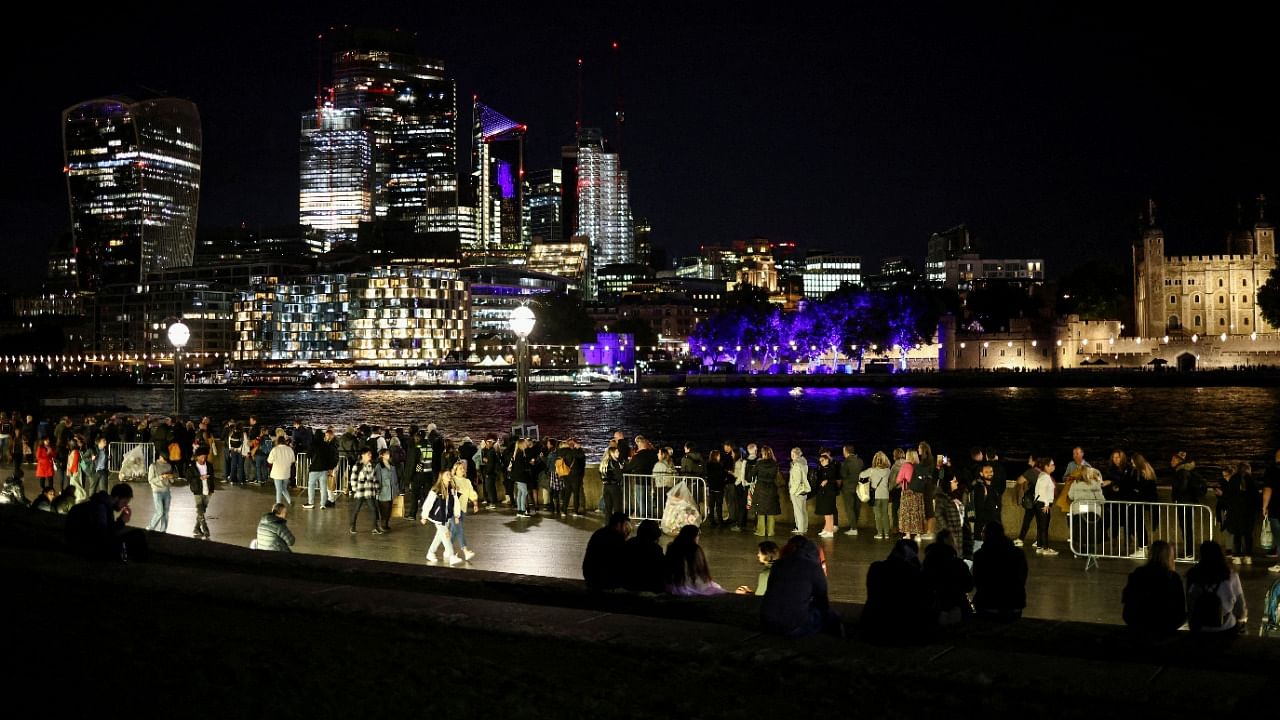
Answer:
(1229, 423)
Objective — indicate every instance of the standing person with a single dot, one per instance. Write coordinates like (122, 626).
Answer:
(324, 460)
(1026, 485)
(1240, 498)
(827, 489)
(1188, 488)
(467, 499)
(273, 530)
(75, 473)
(280, 460)
(200, 480)
(927, 470)
(717, 478)
(388, 487)
(744, 472)
(489, 460)
(522, 465)
(237, 452)
(949, 512)
(577, 460)
(100, 466)
(641, 466)
(850, 475)
(1044, 505)
(1118, 486)
(729, 462)
(1086, 499)
(1271, 505)
(160, 477)
(1144, 490)
(1154, 602)
(1215, 598)
(261, 448)
(880, 485)
(44, 462)
(364, 491)
(798, 488)
(440, 508)
(911, 520)
(895, 489)
(764, 491)
(424, 456)
(611, 479)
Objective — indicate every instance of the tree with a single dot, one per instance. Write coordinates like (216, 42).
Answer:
(1269, 299)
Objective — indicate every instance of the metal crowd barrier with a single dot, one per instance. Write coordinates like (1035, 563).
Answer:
(302, 468)
(644, 497)
(117, 450)
(1124, 529)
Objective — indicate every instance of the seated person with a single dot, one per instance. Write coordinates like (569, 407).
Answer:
(602, 563)
(687, 571)
(97, 533)
(644, 566)
(796, 602)
(766, 555)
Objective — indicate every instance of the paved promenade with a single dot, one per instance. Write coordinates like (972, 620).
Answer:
(1058, 589)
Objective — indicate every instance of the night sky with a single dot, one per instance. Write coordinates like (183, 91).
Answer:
(1043, 127)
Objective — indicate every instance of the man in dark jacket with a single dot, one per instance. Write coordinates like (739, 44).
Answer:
(644, 566)
(323, 461)
(850, 468)
(641, 467)
(576, 459)
(97, 533)
(602, 564)
(795, 602)
(999, 576)
(273, 530)
(301, 436)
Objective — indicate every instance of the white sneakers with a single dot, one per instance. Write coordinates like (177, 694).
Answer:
(468, 554)
(851, 531)
(825, 534)
(455, 560)
(1047, 552)
(1274, 568)
(1017, 543)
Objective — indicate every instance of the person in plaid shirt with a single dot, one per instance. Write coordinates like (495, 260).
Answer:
(364, 490)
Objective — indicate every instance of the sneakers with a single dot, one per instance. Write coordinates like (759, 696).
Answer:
(851, 531)
(1139, 554)
(882, 537)
(455, 560)
(797, 531)
(1017, 542)
(1248, 559)
(1274, 568)
(353, 531)
(1047, 552)
(433, 560)
(825, 534)
(927, 536)
(308, 506)
(377, 531)
(329, 505)
(1237, 560)
(468, 554)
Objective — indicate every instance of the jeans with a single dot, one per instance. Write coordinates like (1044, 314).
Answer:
(456, 531)
(372, 503)
(282, 491)
(522, 497)
(800, 511)
(235, 467)
(715, 507)
(1042, 528)
(442, 539)
(202, 506)
(99, 481)
(317, 480)
(611, 498)
(260, 465)
(160, 518)
(881, 511)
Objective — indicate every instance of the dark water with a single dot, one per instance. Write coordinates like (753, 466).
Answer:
(1212, 424)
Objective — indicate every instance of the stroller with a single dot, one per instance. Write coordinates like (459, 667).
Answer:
(133, 466)
(1271, 612)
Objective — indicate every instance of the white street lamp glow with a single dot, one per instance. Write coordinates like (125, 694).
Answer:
(522, 321)
(179, 334)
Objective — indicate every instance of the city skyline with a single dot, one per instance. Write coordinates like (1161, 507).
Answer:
(1042, 129)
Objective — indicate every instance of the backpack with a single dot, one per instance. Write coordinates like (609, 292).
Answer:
(1207, 612)
(562, 468)
(175, 451)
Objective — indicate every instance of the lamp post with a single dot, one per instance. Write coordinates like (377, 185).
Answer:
(522, 321)
(179, 334)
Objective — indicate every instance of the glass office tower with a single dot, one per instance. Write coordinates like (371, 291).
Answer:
(336, 178)
(133, 181)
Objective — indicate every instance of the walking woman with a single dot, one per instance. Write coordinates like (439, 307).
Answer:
(441, 507)
(468, 499)
(878, 477)
(911, 513)
(364, 491)
(160, 478)
(798, 488)
(766, 502)
(388, 486)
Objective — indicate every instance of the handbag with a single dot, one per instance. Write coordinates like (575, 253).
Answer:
(864, 491)
(1028, 500)
(1268, 540)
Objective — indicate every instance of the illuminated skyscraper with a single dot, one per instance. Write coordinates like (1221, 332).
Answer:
(543, 206)
(410, 108)
(336, 189)
(133, 180)
(497, 185)
(604, 206)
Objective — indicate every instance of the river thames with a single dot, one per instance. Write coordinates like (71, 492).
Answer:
(1212, 424)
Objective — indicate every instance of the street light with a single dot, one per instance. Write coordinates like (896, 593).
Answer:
(522, 321)
(179, 334)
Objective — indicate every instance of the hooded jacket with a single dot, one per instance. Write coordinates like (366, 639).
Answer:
(797, 587)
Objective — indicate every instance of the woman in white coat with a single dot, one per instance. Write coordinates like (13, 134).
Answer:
(798, 488)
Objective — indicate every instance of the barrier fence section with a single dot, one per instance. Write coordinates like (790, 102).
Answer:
(1124, 529)
(302, 468)
(117, 450)
(644, 497)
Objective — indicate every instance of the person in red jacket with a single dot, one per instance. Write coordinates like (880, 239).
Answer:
(44, 463)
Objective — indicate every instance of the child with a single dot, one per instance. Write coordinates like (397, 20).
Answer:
(767, 554)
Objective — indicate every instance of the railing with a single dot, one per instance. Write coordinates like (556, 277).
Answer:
(644, 497)
(302, 468)
(117, 450)
(1123, 529)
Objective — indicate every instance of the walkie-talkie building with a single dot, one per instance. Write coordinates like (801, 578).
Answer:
(133, 181)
